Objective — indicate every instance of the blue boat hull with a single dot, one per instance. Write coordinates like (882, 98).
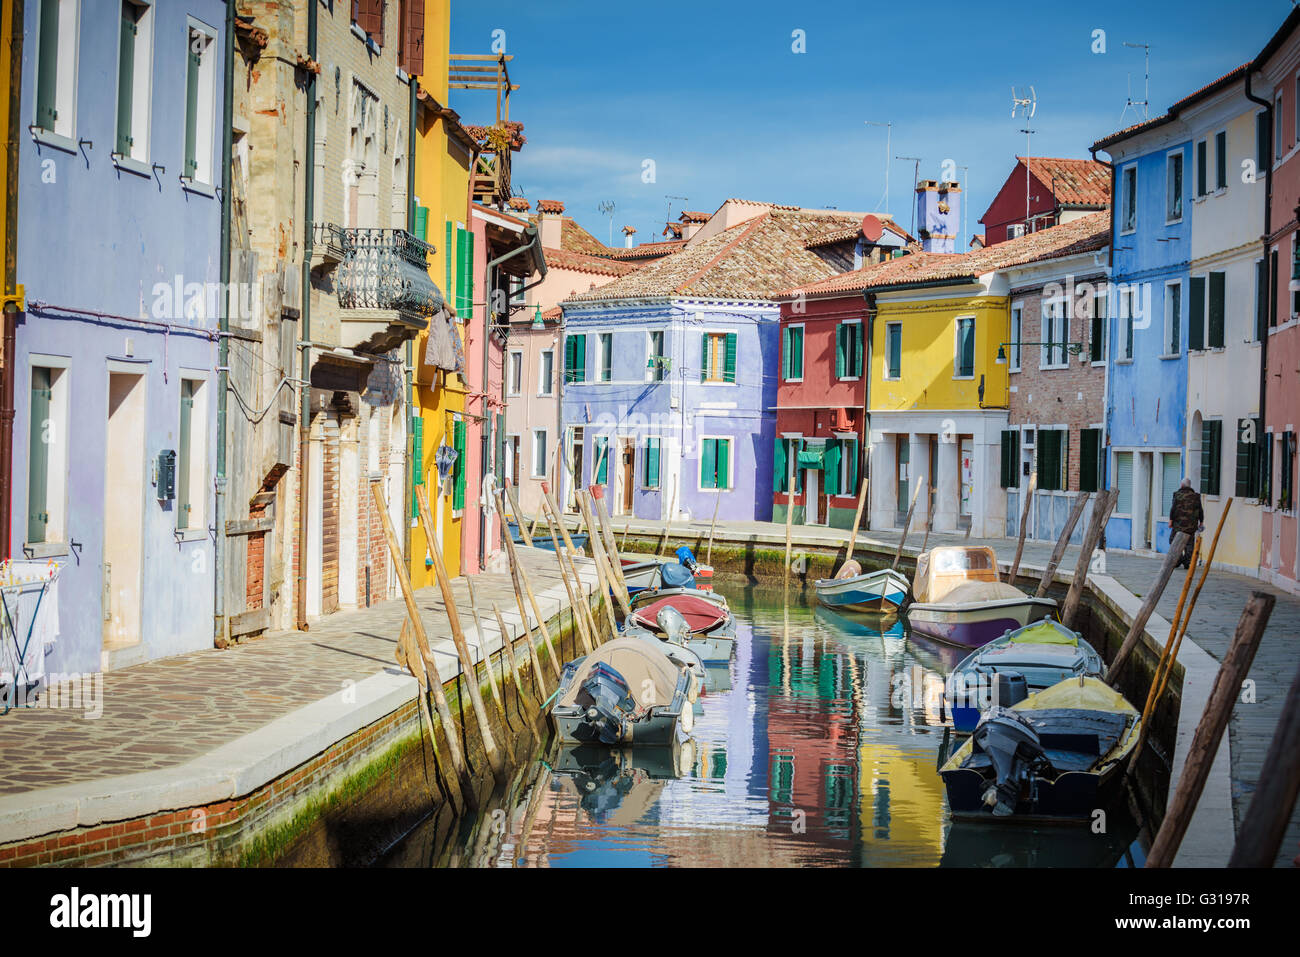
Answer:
(878, 591)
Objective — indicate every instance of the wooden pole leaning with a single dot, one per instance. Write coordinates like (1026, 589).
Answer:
(520, 576)
(584, 621)
(1062, 542)
(1147, 607)
(1101, 510)
(611, 546)
(422, 642)
(852, 542)
(907, 523)
(497, 695)
(467, 665)
(1269, 813)
(1024, 524)
(409, 658)
(524, 533)
(604, 573)
(507, 645)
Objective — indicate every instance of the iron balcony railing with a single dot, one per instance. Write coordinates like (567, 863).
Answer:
(387, 269)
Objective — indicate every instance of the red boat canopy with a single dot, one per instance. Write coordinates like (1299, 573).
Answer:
(700, 613)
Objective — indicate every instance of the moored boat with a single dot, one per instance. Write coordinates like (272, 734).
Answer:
(1057, 755)
(1008, 669)
(957, 598)
(627, 691)
(852, 589)
(543, 538)
(700, 624)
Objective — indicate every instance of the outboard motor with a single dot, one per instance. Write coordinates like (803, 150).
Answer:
(674, 625)
(1009, 687)
(686, 557)
(608, 705)
(1013, 746)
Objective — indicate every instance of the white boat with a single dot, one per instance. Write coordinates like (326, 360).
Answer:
(957, 598)
(884, 590)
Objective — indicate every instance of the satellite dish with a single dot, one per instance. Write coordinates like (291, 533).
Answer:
(872, 228)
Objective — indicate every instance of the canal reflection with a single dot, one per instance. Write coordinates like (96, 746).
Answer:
(817, 747)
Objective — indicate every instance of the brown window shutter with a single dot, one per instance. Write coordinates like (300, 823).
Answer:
(369, 16)
(415, 37)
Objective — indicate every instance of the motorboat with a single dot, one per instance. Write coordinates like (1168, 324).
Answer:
(852, 589)
(1057, 755)
(627, 691)
(699, 624)
(1008, 669)
(543, 538)
(957, 597)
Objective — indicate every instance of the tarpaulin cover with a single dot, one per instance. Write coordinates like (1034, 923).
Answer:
(674, 575)
(700, 613)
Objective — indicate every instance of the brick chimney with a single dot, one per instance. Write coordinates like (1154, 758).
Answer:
(628, 233)
(550, 222)
(692, 222)
(938, 215)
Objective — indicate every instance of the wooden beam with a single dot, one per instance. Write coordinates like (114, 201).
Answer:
(1148, 606)
(1101, 510)
(1062, 543)
(1271, 805)
(1024, 524)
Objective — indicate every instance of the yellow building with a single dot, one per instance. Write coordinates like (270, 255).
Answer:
(444, 156)
(10, 26)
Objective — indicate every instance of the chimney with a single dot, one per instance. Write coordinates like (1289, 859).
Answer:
(691, 223)
(517, 204)
(938, 215)
(550, 222)
(628, 233)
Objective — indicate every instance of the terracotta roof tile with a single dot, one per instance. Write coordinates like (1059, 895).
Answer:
(1173, 111)
(518, 203)
(1077, 182)
(550, 206)
(842, 234)
(694, 216)
(648, 250)
(581, 262)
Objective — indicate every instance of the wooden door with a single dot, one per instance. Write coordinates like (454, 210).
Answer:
(629, 474)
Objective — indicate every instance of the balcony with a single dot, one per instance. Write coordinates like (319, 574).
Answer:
(383, 278)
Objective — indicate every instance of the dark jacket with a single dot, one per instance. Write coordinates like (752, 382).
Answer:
(1186, 514)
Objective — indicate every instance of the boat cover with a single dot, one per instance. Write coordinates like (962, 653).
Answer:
(850, 569)
(638, 662)
(940, 570)
(674, 575)
(1090, 694)
(1045, 633)
(980, 592)
(700, 613)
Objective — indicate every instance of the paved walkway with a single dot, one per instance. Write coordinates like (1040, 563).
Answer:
(1212, 625)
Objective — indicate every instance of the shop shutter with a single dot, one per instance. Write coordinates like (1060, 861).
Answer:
(831, 467)
(1124, 482)
(1196, 315)
(729, 371)
(1170, 478)
(1214, 339)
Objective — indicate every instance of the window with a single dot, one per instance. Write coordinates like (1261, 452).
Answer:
(1277, 128)
(650, 463)
(200, 102)
(47, 462)
(1174, 187)
(1090, 451)
(1173, 317)
(546, 372)
(190, 465)
(368, 15)
(1013, 358)
(511, 463)
(715, 463)
(1127, 313)
(1015, 230)
(575, 358)
(56, 67)
(1221, 160)
(656, 362)
(848, 350)
(964, 360)
(515, 374)
(1218, 305)
(1124, 482)
(1056, 333)
(606, 342)
(134, 74)
(893, 350)
(1100, 315)
(792, 354)
(1128, 197)
(1211, 454)
(540, 453)
(410, 36)
(1202, 168)
(1171, 476)
(1010, 458)
(1053, 450)
(1250, 445)
(718, 357)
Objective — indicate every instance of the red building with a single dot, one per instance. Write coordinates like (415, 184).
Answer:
(1275, 69)
(1057, 191)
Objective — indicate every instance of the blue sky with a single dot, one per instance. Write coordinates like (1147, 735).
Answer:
(713, 93)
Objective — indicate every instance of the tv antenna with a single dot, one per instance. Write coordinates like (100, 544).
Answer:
(1144, 103)
(1026, 106)
(670, 199)
(916, 175)
(889, 129)
(606, 206)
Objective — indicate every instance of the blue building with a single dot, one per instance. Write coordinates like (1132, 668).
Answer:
(115, 368)
(669, 392)
(1146, 403)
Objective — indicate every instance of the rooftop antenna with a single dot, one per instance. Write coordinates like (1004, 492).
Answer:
(606, 206)
(670, 199)
(1026, 106)
(1143, 104)
(965, 205)
(889, 129)
(916, 175)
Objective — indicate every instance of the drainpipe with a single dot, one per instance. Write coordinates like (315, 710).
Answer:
(304, 411)
(408, 481)
(12, 306)
(220, 629)
(1268, 230)
(534, 239)
(865, 466)
(1110, 267)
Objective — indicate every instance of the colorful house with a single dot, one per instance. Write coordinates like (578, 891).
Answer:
(1045, 191)
(114, 363)
(667, 398)
(12, 299)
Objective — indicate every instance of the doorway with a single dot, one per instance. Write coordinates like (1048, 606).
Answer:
(903, 456)
(811, 497)
(124, 510)
(629, 474)
(575, 475)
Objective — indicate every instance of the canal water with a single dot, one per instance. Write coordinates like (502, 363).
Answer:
(817, 747)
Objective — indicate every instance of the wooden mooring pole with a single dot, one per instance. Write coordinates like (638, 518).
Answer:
(1209, 732)
(1062, 542)
(1101, 510)
(409, 658)
(852, 542)
(507, 646)
(584, 620)
(1148, 606)
(1271, 805)
(611, 545)
(604, 574)
(524, 533)
(519, 575)
(907, 523)
(1024, 525)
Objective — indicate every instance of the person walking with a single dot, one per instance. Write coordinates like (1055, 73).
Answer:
(1186, 515)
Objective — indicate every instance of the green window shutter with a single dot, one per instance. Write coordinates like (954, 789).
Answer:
(798, 353)
(459, 471)
(1272, 288)
(1049, 459)
(125, 79)
(780, 469)
(422, 223)
(469, 273)
(1247, 462)
(1202, 171)
(1089, 460)
(797, 446)
(895, 351)
(1221, 160)
(709, 463)
(859, 352)
(1005, 460)
(461, 278)
(1261, 300)
(723, 479)
(1196, 315)
(1217, 307)
(652, 463)
(831, 467)
(729, 371)
(570, 352)
(448, 258)
(183, 504)
(787, 346)
(38, 463)
(47, 76)
(580, 357)
(1211, 454)
(417, 460)
(704, 357)
(600, 449)
(839, 350)
(851, 450)
(191, 108)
